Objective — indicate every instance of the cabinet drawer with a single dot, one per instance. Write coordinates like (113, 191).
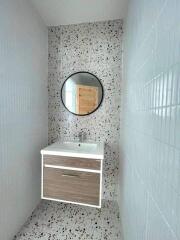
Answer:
(73, 162)
(73, 186)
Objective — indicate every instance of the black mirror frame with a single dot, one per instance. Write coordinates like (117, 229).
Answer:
(101, 97)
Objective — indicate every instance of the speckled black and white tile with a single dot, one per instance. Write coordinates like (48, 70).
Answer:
(97, 48)
(59, 221)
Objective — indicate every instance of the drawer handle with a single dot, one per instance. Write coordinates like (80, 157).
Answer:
(70, 175)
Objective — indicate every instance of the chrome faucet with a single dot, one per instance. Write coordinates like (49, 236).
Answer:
(82, 136)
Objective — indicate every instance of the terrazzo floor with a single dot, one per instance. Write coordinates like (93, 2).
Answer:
(59, 221)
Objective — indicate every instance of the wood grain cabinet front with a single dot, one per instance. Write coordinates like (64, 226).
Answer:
(71, 179)
(72, 186)
(72, 162)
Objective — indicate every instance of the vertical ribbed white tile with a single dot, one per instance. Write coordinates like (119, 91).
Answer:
(150, 143)
(23, 111)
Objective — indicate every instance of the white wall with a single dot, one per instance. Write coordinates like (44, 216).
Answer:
(63, 12)
(23, 112)
(150, 143)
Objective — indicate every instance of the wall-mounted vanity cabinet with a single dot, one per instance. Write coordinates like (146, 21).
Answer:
(72, 173)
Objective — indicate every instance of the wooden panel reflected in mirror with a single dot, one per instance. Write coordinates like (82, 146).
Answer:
(82, 93)
(87, 99)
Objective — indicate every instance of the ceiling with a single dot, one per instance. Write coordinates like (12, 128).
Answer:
(62, 12)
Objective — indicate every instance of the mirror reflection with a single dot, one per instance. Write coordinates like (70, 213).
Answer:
(82, 93)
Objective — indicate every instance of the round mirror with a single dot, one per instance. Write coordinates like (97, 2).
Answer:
(82, 93)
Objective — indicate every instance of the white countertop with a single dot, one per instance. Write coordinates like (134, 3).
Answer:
(86, 149)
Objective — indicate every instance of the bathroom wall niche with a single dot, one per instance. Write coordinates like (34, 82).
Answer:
(82, 93)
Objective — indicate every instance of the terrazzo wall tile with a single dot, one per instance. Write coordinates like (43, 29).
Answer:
(97, 48)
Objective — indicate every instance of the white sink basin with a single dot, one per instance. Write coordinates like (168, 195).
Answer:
(80, 147)
(76, 149)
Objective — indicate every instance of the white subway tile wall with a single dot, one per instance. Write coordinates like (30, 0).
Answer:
(150, 137)
(23, 111)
